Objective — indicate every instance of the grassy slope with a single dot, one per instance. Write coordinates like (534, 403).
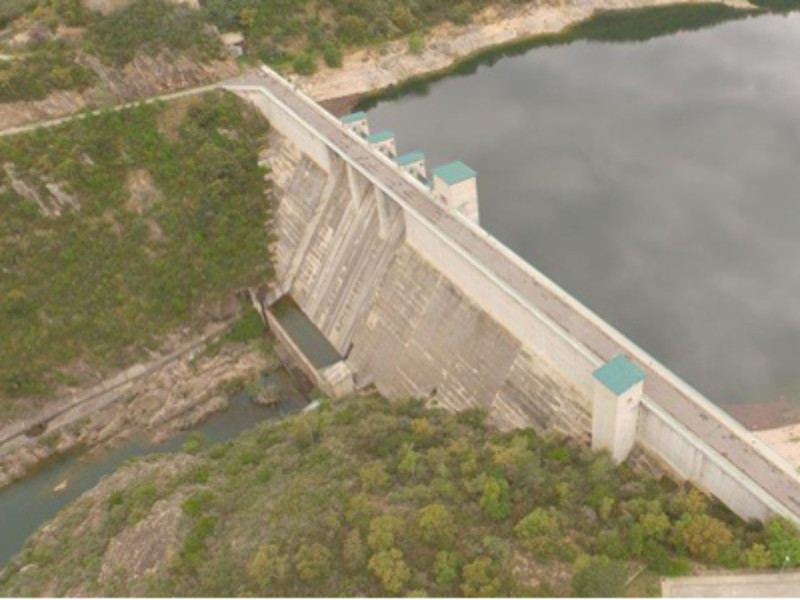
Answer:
(367, 498)
(172, 217)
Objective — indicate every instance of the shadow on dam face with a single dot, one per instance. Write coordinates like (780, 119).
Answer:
(305, 335)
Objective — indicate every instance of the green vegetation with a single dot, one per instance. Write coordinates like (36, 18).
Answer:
(13, 9)
(51, 61)
(161, 215)
(277, 32)
(416, 43)
(149, 26)
(50, 67)
(329, 503)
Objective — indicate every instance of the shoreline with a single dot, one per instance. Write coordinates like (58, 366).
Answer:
(371, 71)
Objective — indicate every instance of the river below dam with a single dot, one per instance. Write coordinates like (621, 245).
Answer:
(658, 182)
(26, 504)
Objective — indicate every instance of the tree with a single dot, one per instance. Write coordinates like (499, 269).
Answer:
(702, 536)
(390, 567)
(383, 532)
(446, 567)
(600, 578)
(538, 531)
(408, 464)
(495, 500)
(373, 477)
(436, 524)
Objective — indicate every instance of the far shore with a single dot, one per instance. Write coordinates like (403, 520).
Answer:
(371, 70)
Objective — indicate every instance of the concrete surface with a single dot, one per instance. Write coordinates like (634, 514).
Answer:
(771, 585)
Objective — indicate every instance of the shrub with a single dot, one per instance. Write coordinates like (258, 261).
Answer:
(461, 14)
(538, 531)
(304, 64)
(600, 578)
(332, 53)
(416, 43)
(269, 567)
(783, 543)
(757, 557)
(312, 562)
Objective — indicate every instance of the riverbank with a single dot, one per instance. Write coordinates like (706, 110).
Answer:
(371, 70)
(172, 394)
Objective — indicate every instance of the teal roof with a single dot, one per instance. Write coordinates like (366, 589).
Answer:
(454, 173)
(381, 136)
(354, 118)
(619, 375)
(410, 158)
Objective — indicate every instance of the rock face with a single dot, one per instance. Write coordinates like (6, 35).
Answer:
(146, 548)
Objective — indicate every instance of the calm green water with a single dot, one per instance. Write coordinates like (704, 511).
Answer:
(27, 504)
(658, 182)
(311, 341)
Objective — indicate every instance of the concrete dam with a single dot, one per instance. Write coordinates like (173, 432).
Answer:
(418, 300)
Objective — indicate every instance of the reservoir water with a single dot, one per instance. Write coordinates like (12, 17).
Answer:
(658, 182)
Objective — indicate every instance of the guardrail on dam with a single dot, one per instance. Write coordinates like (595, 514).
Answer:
(422, 301)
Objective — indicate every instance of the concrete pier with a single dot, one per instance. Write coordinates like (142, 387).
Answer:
(615, 408)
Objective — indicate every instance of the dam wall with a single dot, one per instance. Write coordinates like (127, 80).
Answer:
(420, 301)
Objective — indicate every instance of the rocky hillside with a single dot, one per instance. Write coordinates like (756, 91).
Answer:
(58, 56)
(122, 232)
(364, 498)
(61, 56)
